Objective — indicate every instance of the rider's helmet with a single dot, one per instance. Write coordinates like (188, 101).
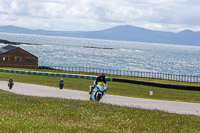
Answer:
(10, 77)
(103, 75)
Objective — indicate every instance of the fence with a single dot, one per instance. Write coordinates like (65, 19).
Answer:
(186, 78)
(90, 70)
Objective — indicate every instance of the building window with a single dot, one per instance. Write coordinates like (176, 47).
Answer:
(29, 59)
(6, 58)
(18, 58)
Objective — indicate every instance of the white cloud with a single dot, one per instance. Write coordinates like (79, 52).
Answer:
(169, 15)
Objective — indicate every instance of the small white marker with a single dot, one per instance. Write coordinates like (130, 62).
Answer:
(151, 93)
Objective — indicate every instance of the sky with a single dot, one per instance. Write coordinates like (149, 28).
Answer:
(92, 15)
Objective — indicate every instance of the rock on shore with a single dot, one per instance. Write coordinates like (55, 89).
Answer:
(15, 43)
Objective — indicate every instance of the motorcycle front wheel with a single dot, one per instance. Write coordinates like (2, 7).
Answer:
(98, 97)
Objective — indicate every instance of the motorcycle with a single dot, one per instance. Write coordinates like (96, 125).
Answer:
(61, 85)
(98, 92)
(10, 85)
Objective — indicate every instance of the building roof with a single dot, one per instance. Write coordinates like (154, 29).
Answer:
(7, 48)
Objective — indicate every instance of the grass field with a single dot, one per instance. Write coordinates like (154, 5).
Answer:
(22, 114)
(115, 88)
(35, 114)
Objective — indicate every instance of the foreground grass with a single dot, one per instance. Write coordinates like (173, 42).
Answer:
(35, 114)
(112, 76)
(115, 88)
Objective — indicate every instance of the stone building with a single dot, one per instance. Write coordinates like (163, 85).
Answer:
(11, 56)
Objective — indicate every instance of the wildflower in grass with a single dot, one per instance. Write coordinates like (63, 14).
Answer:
(44, 104)
(118, 113)
(29, 113)
(173, 115)
(83, 108)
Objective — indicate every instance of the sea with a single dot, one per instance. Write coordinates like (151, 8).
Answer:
(110, 54)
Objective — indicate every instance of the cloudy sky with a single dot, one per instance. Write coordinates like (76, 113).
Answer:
(90, 15)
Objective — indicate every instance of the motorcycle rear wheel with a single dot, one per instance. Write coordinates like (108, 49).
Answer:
(10, 86)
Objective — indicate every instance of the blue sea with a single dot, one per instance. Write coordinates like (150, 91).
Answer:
(124, 55)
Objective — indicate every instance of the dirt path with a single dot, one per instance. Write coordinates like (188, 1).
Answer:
(44, 91)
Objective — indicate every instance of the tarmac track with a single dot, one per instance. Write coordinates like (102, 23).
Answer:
(45, 91)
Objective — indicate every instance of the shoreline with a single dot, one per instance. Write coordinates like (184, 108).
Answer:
(15, 43)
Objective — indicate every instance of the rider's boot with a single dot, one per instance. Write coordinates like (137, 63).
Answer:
(91, 89)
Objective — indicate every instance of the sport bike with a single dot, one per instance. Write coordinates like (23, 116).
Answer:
(61, 85)
(98, 91)
(10, 85)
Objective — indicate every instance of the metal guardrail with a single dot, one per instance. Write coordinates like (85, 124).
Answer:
(162, 85)
(90, 70)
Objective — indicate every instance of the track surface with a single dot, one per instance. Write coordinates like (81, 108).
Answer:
(45, 91)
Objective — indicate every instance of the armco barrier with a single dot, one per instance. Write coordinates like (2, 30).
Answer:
(171, 86)
(65, 75)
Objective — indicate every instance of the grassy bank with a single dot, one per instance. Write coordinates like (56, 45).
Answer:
(115, 88)
(112, 76)
(35, 114)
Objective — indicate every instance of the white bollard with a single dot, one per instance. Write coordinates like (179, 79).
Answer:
(151, 93)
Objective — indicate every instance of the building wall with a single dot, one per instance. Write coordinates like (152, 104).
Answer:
(18, 57)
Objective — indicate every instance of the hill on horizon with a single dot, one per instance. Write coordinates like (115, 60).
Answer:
(122, 33)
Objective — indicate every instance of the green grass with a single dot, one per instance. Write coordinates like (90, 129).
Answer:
(34, 114)
(115, 88)
(112, 76)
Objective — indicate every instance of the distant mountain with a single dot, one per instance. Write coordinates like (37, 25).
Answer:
(124, 33)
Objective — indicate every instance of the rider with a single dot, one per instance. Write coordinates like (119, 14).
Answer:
(100, 78)
(61, 84)
(10, 81)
